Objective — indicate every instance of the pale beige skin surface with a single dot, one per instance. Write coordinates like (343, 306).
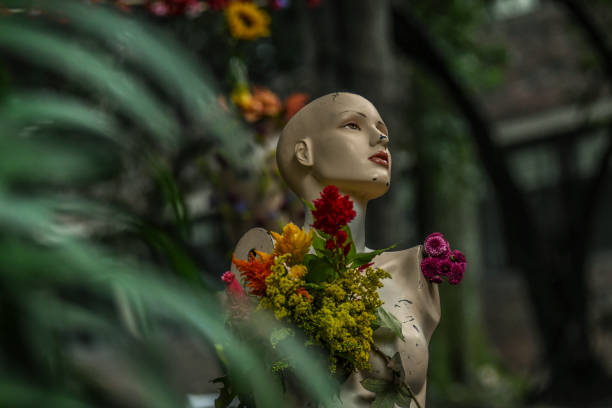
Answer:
(331, 141)
(416, 304)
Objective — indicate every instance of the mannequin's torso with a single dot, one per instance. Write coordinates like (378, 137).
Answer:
(415, 302)
(411, 298)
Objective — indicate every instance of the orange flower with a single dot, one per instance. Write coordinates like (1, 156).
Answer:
(303, 292)
(262, 102)
(294, 103)
(255, 271)
(271, 105)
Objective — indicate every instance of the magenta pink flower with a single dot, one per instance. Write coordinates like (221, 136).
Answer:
(159, 8)
(457, 271)
(436, 279)
(431, 268)
(228, 277)
(442, 262)
(444, 267)
(436, 245)
(233, 286)
(457, 256)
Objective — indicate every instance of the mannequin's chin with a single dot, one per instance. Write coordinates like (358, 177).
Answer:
(363, 189)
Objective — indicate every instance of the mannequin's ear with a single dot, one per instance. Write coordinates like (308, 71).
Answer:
(303, 152)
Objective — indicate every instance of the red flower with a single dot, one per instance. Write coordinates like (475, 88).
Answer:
(304, 292)
(332, 211)
(337, 241)
(347, 249)
(340, 237)
(217, 4)
(366, 266)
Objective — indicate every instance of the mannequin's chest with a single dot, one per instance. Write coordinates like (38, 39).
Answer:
(413, 351)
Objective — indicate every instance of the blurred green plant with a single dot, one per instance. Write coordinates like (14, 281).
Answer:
(137, 99)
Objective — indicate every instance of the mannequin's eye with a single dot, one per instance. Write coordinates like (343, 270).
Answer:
(352, 125)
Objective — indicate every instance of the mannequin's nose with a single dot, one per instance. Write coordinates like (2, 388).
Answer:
(379, 138)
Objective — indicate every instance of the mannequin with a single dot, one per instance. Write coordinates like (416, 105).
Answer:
(340, 139)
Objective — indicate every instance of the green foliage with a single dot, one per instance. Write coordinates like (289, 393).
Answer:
(61, 279)
(388, 320)
(388, 393)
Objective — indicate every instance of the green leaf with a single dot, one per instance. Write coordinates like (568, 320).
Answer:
(384, 400)
(280, 365)
(396, 365)
(312, 286)
(308, 259)
(58, 53)
(318, 242)
(386, 319)
(172, 194)
(376, 385)
(308, 204)
(375, 324)
(352, 252)
(180, 260)
(320, 270)
(404, 396)
(366, 257)
(51, 109)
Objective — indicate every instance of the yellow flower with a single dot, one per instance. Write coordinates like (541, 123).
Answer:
(246, 21)
(294, 241)
(265, 257)
(297, 271)
(242, 97)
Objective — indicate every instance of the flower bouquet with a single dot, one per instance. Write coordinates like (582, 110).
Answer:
(315, 282)
(321, 290)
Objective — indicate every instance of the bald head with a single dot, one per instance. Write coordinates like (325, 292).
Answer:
(294, 152)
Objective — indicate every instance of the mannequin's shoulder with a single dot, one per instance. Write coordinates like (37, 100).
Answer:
(405, 269)
(406, 261)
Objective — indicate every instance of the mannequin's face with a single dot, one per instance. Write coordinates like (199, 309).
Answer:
(351, 148)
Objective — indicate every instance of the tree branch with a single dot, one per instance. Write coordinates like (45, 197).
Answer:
(520, 230)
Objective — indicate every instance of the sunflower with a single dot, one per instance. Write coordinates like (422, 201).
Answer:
(247, 21)
(294, 241)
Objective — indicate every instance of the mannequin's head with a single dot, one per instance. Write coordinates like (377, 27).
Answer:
(336, 139)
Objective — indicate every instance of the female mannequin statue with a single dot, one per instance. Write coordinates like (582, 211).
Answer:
(340, 139)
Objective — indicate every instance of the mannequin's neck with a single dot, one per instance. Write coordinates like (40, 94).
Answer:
(357, 226)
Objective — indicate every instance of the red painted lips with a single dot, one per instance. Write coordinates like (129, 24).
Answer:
(381, 158)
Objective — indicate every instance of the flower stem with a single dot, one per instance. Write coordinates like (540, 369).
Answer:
(388, 360)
